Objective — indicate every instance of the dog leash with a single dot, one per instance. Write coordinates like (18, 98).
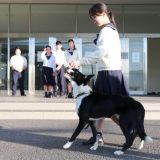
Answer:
(81, 94)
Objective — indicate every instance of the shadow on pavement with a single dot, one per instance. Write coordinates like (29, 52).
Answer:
(43, 141)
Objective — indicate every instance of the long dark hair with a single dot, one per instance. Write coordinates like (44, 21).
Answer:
(71, 40)
(99, 8)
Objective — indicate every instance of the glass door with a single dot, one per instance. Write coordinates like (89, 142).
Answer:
(138, 66)
(3, 64)
(134, 53)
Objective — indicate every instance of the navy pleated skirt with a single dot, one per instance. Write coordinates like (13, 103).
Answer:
(111, 82)
(47, 76)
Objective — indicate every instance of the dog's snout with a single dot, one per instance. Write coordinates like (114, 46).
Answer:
(69, 71)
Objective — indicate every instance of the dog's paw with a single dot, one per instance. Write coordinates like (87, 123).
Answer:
(118, 153)
(67, 145)
(141, 145)
(94, 147)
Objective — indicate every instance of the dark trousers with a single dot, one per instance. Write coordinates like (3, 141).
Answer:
(60, 80)
(18, 77)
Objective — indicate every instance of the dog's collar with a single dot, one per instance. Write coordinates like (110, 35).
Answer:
(81, 94)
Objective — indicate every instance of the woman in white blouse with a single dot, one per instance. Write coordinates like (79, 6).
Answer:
(71, 54)
(48, 70)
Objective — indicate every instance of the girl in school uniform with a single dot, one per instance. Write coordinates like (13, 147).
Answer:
(107, 56)
(48, 70)
(71, 54)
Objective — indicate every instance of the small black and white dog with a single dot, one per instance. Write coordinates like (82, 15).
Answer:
(93, 106)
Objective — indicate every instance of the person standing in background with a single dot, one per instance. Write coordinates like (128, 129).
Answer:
(48, 71)
(18, 64)
(71, 54)
(60, 67)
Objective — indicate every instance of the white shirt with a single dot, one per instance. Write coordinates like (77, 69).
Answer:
(74, 57)
(18, 62)
(108, 51)
(60, 57)
(51, 62)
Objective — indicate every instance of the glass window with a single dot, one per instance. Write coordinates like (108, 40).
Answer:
(136, 64)
(3, 64)
(19, 18)
(53, 18)
(89, 69)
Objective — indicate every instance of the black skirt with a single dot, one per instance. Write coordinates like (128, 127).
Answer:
(111, 82)
(47, 76)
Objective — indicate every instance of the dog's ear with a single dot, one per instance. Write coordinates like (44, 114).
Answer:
(88, 77)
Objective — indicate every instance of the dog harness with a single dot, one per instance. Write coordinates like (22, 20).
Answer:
(83, 93)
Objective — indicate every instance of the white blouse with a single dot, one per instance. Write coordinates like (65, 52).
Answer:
(73, 57)
(51, 62)
(60, 57)
(107, 55)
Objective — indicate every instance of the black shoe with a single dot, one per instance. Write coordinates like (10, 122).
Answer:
(100, 138)
(23, 94)
(61, 93)
(92, 140)
(55, 94)
(13, 94)
(89, 142)
(45, 95)
(70, 95)
(49, 95)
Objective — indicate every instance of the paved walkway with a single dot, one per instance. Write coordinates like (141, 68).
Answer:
(43, 140)
(39, 98)
(37, 107)
(35, 132)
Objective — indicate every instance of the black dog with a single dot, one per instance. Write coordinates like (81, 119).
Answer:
(92, 106)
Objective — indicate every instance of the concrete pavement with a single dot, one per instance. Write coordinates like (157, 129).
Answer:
(37, 107)
(36, 128)
(43, 140)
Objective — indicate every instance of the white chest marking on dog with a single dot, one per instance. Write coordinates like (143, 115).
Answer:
(78, 90)
(79, 100)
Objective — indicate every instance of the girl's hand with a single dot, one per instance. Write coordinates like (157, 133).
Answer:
(75, 64)
(58, 68)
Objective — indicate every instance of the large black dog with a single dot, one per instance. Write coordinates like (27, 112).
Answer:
(92, 106)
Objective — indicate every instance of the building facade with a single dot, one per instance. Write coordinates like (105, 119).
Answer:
(32, 24)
